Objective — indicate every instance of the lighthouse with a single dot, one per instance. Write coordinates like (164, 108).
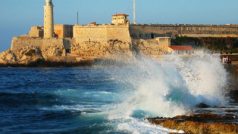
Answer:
(48, 19)
(134, 11)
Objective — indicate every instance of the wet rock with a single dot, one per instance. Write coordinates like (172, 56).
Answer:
(200, 123)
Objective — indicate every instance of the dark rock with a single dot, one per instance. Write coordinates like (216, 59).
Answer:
(202, 105)
(200, 123)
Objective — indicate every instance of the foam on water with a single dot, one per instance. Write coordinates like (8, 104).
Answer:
(136, 126)
(166, 88)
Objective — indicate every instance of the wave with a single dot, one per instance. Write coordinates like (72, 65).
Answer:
(168, 87)
(80, 108)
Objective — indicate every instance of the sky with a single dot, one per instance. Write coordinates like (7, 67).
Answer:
(17, 16)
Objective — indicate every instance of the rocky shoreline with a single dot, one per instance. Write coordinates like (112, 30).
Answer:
(205, 119)
(42, 63)
(89, 62)
(200, 123)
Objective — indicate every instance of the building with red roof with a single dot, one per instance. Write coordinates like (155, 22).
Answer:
(182, 49)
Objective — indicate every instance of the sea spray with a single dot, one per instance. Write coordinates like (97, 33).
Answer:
(169, 87)
(147, 88)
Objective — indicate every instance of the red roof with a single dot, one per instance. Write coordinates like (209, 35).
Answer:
(120, 14)
(182, 48)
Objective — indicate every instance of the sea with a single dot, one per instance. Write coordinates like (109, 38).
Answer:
(109, 98)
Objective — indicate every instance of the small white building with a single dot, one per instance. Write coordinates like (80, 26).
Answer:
(120, 19)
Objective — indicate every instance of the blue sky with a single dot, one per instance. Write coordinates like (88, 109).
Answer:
(16, 16)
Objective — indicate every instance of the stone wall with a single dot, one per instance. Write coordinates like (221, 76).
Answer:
(101, 41)
(36, 31)
(101, 33)
(49, 47)
(150, 47)
(89, 33)
(152, 31)
(63, 31)
(113, 49)
(19, 42)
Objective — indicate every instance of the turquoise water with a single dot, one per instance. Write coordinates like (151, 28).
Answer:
(39, 100)
(58, 100)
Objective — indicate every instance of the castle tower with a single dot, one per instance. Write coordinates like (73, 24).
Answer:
(48, 19)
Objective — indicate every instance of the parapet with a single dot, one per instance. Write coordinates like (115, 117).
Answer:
(36, 32)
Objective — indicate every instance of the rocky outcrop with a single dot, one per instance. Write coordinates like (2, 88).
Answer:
(23, 56)
(200, 123)
(150, 48)
(27, 51)
(27, 55)
(52, 51)
(7, 57)
(112, 49)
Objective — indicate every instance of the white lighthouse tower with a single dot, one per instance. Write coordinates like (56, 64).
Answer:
(134, 11)
(48, 19)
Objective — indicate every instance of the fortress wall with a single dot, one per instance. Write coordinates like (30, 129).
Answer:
(119, 33)
(19, 42)
(150, 31)
(210, 35)
(49, 47)
(36, 31)
(101, 33)
(90, 33)
(63, 31)
(101, 41)
(151, 47)
(53, 42)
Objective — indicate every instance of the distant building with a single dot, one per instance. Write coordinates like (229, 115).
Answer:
(120, 19)
(92, 24)
(182, 49)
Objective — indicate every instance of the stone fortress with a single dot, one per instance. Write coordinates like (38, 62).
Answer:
(120, 39)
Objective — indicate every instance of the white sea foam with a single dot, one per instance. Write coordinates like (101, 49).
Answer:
(164, 88)
(136, 126)
(169, 87)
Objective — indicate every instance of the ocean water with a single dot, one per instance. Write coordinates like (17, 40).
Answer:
(108, 98)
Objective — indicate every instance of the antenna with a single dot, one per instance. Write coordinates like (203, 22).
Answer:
(77, 17)
(134, 11)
